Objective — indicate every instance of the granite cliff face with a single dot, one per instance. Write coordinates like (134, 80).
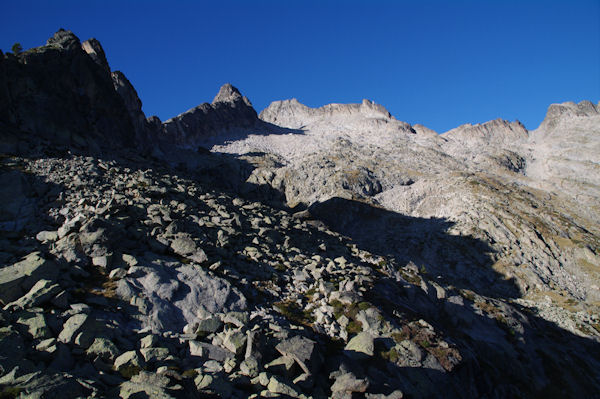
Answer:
(71, 95)
(313, 252)
(228, 112)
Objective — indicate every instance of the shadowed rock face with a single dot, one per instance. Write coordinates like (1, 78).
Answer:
(59, 92)
(95, 50)
(229, 112)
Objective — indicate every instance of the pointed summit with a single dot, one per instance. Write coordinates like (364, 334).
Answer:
(229, 111)
(64, 39)
(94, 49)
(227, 94)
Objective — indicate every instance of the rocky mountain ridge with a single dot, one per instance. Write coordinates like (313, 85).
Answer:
(328, 252)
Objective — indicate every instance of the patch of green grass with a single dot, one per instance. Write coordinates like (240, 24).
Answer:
(311, 292)
(391, 355)
(468, 295)
(354, 327)
(280, 267)
(338, 308)
(191, 373)
(415, 280)
(400, 336)
(129, 371)
(293, 312)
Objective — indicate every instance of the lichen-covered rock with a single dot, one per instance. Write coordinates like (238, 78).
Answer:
(19, 278)
(361, 346)
(129, 364)
(104, 348)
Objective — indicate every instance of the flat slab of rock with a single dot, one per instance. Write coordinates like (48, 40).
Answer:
(174, 296)
(209, 351)
(40, 293)
(303, 351)
(17, 279)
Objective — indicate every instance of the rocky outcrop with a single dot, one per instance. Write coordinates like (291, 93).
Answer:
(558, 112)
(497, 132)
(293, 114)
(564, 154)
(229, 112)
(94, 49)
(59, 92)
(492, 146)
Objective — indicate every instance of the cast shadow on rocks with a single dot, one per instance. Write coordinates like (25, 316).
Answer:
(261, 128)
(507, 351)
(424, 243)
(495, 362)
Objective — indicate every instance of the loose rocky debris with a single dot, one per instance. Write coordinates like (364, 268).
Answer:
(132, 278)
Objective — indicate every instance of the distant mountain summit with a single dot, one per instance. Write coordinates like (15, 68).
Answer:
(229, 112)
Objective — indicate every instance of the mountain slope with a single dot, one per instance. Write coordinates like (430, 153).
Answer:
(328, 252)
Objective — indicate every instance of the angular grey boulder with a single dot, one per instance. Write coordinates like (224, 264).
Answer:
(72, 327)
(40, 293)
(304, 352)
(348, 382)
(104, 348)
(361, 346)
(174, 296)
(17, 279)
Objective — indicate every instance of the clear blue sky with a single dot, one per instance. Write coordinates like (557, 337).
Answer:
(438, 63)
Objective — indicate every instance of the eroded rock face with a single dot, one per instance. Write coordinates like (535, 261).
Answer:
(229, 112)
(59, 92)
(564, 154)
(94, 49)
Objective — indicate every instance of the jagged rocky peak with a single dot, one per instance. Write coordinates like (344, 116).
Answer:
(374, 110)
(64, 39)
(230, 95)
(292, 113)
(229, 111)
(557, 112)
(497, 131)
(94, 49)
(61, 92)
